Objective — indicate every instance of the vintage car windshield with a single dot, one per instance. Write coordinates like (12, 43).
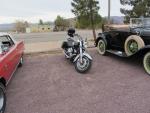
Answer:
(140, 23)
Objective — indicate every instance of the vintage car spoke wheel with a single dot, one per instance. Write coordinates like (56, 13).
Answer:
(2, 98)
(101, 47)
(83, 67)
(133, 44)
(146, 62)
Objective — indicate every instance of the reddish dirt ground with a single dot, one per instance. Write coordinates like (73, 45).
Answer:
(50, 84)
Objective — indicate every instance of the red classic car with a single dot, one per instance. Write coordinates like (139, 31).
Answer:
(11, 57)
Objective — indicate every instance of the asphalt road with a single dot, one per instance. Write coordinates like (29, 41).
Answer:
(51, 36)
(50, 84)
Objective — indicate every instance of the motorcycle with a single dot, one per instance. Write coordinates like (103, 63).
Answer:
(75, 51)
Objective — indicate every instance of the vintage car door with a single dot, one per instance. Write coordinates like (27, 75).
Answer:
(145, 34)
(8, 58)
(16, 50)
(115, 38)
(118, 38)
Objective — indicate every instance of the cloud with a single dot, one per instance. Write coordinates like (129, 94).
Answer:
(49, 16)
(33, 10)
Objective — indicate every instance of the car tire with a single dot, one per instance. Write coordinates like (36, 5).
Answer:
(2, 98)
(101, 47)
(146, 62)
(21, 62)
(132, 44)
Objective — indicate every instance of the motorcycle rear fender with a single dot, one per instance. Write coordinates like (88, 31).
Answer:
(84, 54)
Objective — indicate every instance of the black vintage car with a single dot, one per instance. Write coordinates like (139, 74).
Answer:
(127, 42)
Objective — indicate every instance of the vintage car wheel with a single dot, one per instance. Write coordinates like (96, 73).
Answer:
(146, 62)
(101, 47)
(2, 98)
(133, 44)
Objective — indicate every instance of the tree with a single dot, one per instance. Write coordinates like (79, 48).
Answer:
(87, 12)
(138, 8)
(41, 22)
(20, 26)
(26, 24)
(61, 24)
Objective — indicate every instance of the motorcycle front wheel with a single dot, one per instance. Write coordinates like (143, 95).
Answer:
(84, 66)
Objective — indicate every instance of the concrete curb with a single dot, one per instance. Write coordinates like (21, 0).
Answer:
(54, 51)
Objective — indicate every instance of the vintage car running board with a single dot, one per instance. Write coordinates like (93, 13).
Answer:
(118, 53)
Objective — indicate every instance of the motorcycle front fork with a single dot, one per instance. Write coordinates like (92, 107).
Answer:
(81, 55)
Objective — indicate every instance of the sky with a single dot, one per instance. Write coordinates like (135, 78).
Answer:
(47, 10)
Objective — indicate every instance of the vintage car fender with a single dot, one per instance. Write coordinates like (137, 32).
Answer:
(142, 51)
(84, 54)
(101, 36)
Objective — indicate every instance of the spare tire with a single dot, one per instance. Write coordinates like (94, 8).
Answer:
(132, 44)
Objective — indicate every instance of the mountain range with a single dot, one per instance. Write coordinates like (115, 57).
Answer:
(10, 27)
(117, 19)
(6, 27)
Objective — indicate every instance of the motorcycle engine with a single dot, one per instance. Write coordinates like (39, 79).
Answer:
(70, 52)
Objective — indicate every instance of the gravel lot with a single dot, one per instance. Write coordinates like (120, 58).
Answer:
(50, 84)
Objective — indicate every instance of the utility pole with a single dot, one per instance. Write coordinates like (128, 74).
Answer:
(109, 7)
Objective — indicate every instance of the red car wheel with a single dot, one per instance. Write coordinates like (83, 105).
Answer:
(2, 98)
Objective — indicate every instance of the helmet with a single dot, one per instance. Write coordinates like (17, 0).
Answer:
(71, 32)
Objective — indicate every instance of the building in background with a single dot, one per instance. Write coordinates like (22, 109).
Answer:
(35, 28)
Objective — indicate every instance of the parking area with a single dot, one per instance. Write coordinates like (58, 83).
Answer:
(50, 84)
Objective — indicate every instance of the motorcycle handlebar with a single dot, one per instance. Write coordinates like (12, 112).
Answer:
(77, 35)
